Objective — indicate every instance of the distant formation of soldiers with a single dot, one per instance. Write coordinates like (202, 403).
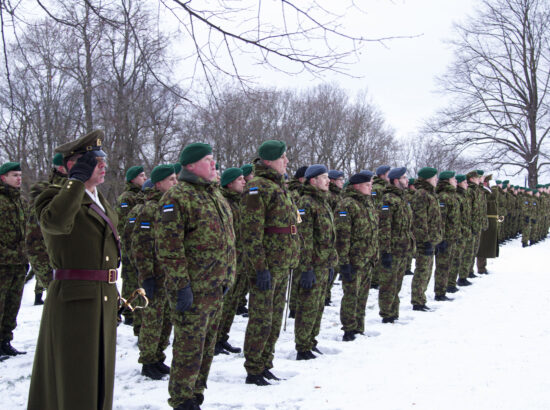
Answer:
(198, 242)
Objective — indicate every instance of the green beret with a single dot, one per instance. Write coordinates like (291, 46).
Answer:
(194, 152)
(133, 172)
(272, 149)
(411, 181)
(498, 181)
(10, 166)
(504, 184)
(427, 172)
(460, 178)
(506, 181)
(247, 169)
(161, 172)
(479, 172)
(472, 174)
(446, 174)
(89, 142)
(539, 186)
(217, 166)
(177, 167)
(230, 175)
(58, 159)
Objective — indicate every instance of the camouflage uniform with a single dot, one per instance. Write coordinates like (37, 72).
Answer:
(449, 207)
(232, 298)
(527, 214)
(397, 239)
(427, 228)
(131, 196)
(478, 217)
(295, 187)
(156, 326)
(13, 261)
(378, 187)
(195, 244)
(465, 233)
(335, 193)
(409, 194)
(357, 245)
(267, 204)
(319, 255)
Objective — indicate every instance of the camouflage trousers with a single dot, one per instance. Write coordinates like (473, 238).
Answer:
(456, 263)
(421, 278)
(354, 300)
(156, 326)
(443, 262)
(265, 316)
(525, 233)
(12, 281)
(408, 263)
(481, 264)
(193, 346)
(293, 302)
(230, 303)
(475, 249)
(129, 284)
(328, 293)
(467, 256)
(391, 280)
(309, 311)
(242, 288)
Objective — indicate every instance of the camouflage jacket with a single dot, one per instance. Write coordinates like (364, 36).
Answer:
(194, 237)
(13, 209)
(476, 208)
(334, 195)
(427, 225)
(131, 196)
(234, 200)
(295, 188)
(129, 224)
(395, 223)
(378, 187)
(317, 230)
(482, 198)
(142, 239)
(267, 203)
(465, 212)
(356, 229)
(449, 207)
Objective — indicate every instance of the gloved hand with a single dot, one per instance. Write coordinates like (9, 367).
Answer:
(347, 272)
(307, 279)
(263, 279)
(225, 289)
(533, 221)
(185, 299)
(150, 286)
(441, 247)
(428, 249)
(526, 219)
(387, 260)
(84, 167)
(330, 274)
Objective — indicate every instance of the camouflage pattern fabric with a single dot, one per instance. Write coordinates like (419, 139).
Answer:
(526, 215)
(354, 300)
(12, 280)
(295, 187)
(397, 239)
(378, 187)
(195, 245)
(335, 193)
(464, 234)
(156, 326)
(267, 203)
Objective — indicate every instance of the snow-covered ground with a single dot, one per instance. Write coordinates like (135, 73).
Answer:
(487, 349)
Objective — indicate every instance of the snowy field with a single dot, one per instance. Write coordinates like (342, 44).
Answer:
(487, 349)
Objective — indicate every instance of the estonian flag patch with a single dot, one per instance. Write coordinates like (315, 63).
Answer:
(385, 207)
(302, 211)
(168, 208)
(442, 204)
(343, 213)
(253, 191)
(124, 205)
(145, 225)
(132, 220)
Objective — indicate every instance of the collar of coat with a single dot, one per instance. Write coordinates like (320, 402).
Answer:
(335, 188)
(444, 186)
(132, 187)
(353, 193)
(263, 171)
(231, 195)
(380, 181)
(425, 185)
(9, 191)
(153, 194)
(392, 189)
(314, 192)
(191, 178)
(295, 184)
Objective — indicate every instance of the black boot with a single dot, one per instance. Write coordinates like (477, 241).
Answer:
(242, 310)
(442, 298)
(266, 374)
(257, 379)
(151, 371)
(472, 275)
(307, 355)
(188, 404)
(452, 289)
(3, 357)
(463, 282)
(218, 349)
(199, 398)
(162, 368)
(316, 350)
(348, 336)
(231, 349)
(129, 320)
(408, 272)
(524, 245)
(421, 308)
(9, 350)
(388, 320)
(38, 299)
(292, 314)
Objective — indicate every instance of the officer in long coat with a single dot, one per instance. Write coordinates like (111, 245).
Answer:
(74, 363)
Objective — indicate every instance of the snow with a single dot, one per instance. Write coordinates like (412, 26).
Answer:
(487, 349)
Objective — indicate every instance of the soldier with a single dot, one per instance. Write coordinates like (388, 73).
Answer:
(233, 183)
(396, 243)
(132, 195)
(479, 218)
(380, 183)
(488, 243)
(409, 193)
(335, 191)
(357, 246)
(427, 229)
(13, 260)
(317, 260)
(156, 326)
(195, 244)
(449, 207)
(74, 363)
(248, 174)
(464, 236)
(272, 246)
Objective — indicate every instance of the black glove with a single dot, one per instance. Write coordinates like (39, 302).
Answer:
(330, 274)
(185, 299)
(347, 272)
(84, 167)
(150, 286)
(526, 219)
(441, 247)
(533, 221)
(387, 260)
(428, 249)
(263, 279)
(307, 279)
(225, 289)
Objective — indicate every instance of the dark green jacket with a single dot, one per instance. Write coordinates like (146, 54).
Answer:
(449, 207)
(131, 196)
(13, 210)
(395, 223)
(234, 200)
(427, 225)
(465, 213)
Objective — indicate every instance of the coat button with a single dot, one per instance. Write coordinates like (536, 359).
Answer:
(107, 258)
(105, 298)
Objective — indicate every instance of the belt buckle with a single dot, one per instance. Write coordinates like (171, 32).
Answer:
(293, 230)
(112, 274)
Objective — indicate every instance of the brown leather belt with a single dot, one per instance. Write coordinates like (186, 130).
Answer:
(287, 229)
(109, 275)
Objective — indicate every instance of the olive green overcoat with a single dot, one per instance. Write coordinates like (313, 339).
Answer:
(488, 243)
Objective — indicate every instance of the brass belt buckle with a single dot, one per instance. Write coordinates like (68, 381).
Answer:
(293, 230)
(112, 276)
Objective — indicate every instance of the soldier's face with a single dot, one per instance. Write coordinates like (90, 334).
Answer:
(167, 183)
(403, 182)
(364, 187)
(321, 182)
(237, 185)
(249, 177)
(12, 178)
(204, 168)
(140, 179)
(452, 181)
(279, 165)
(463, 184)
(98, 176)
(338, 182)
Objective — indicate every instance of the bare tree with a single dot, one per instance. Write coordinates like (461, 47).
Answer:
(500, 84)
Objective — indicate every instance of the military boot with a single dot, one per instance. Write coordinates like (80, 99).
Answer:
(218, 349)
(256, 379)
(442, 298)
(38, 299)
(348, 336)
(199, 398)
(9, 350)
(266, 374)
(463, 282)
(292, 314)
(151, 371)
(188, 404)
(307, 355)
(242, 310)
(472, 275)
(161, 367)
(421, 308)
(231, 349)
(388, 320)
(452, 289)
